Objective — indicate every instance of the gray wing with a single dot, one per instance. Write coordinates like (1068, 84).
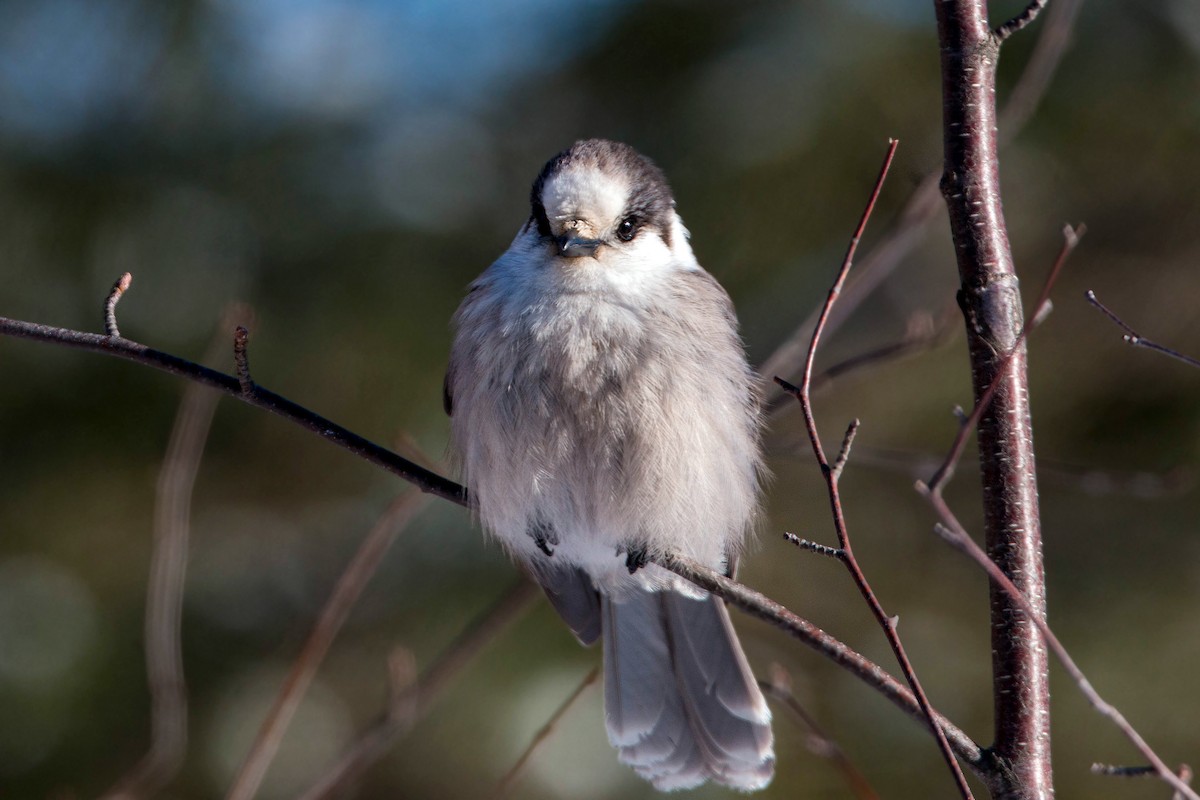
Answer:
(571, 593)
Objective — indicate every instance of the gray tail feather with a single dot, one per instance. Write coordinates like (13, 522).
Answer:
(681, 703)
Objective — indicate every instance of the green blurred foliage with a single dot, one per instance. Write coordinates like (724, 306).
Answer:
(348, 167)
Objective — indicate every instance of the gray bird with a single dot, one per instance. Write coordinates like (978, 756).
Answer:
(603, 414)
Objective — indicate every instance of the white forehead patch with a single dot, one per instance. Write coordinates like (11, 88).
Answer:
(586, 196)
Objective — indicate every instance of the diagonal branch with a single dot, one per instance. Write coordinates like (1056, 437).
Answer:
(1136, 339)
(845, 552)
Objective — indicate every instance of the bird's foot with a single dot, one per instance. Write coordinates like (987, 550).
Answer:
(635, 558)
(543, 536)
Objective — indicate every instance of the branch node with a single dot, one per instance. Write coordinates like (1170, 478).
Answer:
(241, 338)
(110, 304)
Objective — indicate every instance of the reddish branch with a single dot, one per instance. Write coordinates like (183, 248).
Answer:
(844, 552)
(991, 305)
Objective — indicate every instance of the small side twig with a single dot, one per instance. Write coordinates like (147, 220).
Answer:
(779, 688)
(833, 473)
(504, 786)
(839, 463)
(1020, 20)
(110, 304)
(241, 359)
(815, 547)
(1136, 339)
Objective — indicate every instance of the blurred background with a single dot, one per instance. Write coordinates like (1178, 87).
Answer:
(346, 167)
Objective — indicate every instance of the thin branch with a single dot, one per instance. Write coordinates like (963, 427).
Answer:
(1136, 339)
(923, 205)
(745, 599)
(168, 570)
(349, 588)
(409, 705)
(110, 304)
(831, 474)
(1020, 20)
(779, 688)
(945, 472)
(424, 479)
(952, 531)
(504, 787)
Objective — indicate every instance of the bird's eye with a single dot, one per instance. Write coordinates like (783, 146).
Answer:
(627, 229)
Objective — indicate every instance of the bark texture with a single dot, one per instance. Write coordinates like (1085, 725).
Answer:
(991, 305)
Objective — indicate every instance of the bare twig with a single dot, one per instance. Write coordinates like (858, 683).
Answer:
(839, 463)
(426, 480)
(779, 688)
(504, 787)
(403, 711)
(815, 547)
(952, 531)
(241, 359)
(1020, 20)
(1136, 339)
(923, 204)
(832, 473)
(110, 304)
(168, 569)
(349, 588)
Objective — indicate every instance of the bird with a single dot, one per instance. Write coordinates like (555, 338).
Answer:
(603, 415)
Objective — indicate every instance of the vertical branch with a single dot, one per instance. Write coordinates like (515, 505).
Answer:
(990, 301)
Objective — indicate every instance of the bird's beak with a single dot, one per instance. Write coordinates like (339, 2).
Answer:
(576, 246)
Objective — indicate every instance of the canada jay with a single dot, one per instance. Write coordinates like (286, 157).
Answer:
(604, 414)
